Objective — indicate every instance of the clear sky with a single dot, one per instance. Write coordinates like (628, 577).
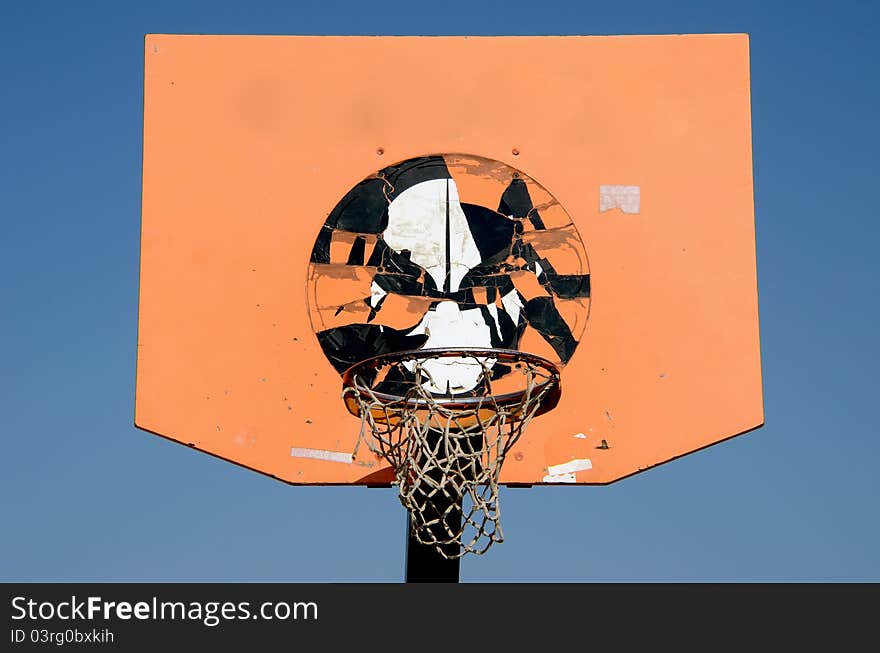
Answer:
(86, 496)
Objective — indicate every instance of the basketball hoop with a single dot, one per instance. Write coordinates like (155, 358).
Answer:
(447, 439)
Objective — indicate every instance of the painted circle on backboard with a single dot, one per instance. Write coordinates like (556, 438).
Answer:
(448, 251)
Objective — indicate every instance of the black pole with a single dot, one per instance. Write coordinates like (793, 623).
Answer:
(424, 563)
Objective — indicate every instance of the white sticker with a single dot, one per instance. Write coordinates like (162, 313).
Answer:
(321, 454)
(626, 198)
(565, 472)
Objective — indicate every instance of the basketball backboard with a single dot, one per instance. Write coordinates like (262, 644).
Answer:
(309, 202)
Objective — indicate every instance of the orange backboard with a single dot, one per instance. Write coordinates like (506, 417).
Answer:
(279, 172)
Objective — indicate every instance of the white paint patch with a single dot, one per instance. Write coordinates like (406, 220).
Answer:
(417, 222)
(580, 436)
(566, 472)
(322, 454)
(626, 198)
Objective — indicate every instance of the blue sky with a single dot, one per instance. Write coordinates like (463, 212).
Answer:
(86, 496)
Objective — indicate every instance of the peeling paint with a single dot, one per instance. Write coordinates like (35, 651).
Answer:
(424, 218)
(417, 256)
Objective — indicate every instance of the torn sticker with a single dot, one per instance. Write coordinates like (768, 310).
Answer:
(321, 454)
(561, 478)
(566, 472)
(625, 198)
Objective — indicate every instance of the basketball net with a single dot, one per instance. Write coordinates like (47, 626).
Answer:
(447, 451)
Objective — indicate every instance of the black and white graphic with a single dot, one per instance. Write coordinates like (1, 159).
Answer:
(448, 251)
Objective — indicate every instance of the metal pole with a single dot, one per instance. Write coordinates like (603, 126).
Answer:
(424, 564)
